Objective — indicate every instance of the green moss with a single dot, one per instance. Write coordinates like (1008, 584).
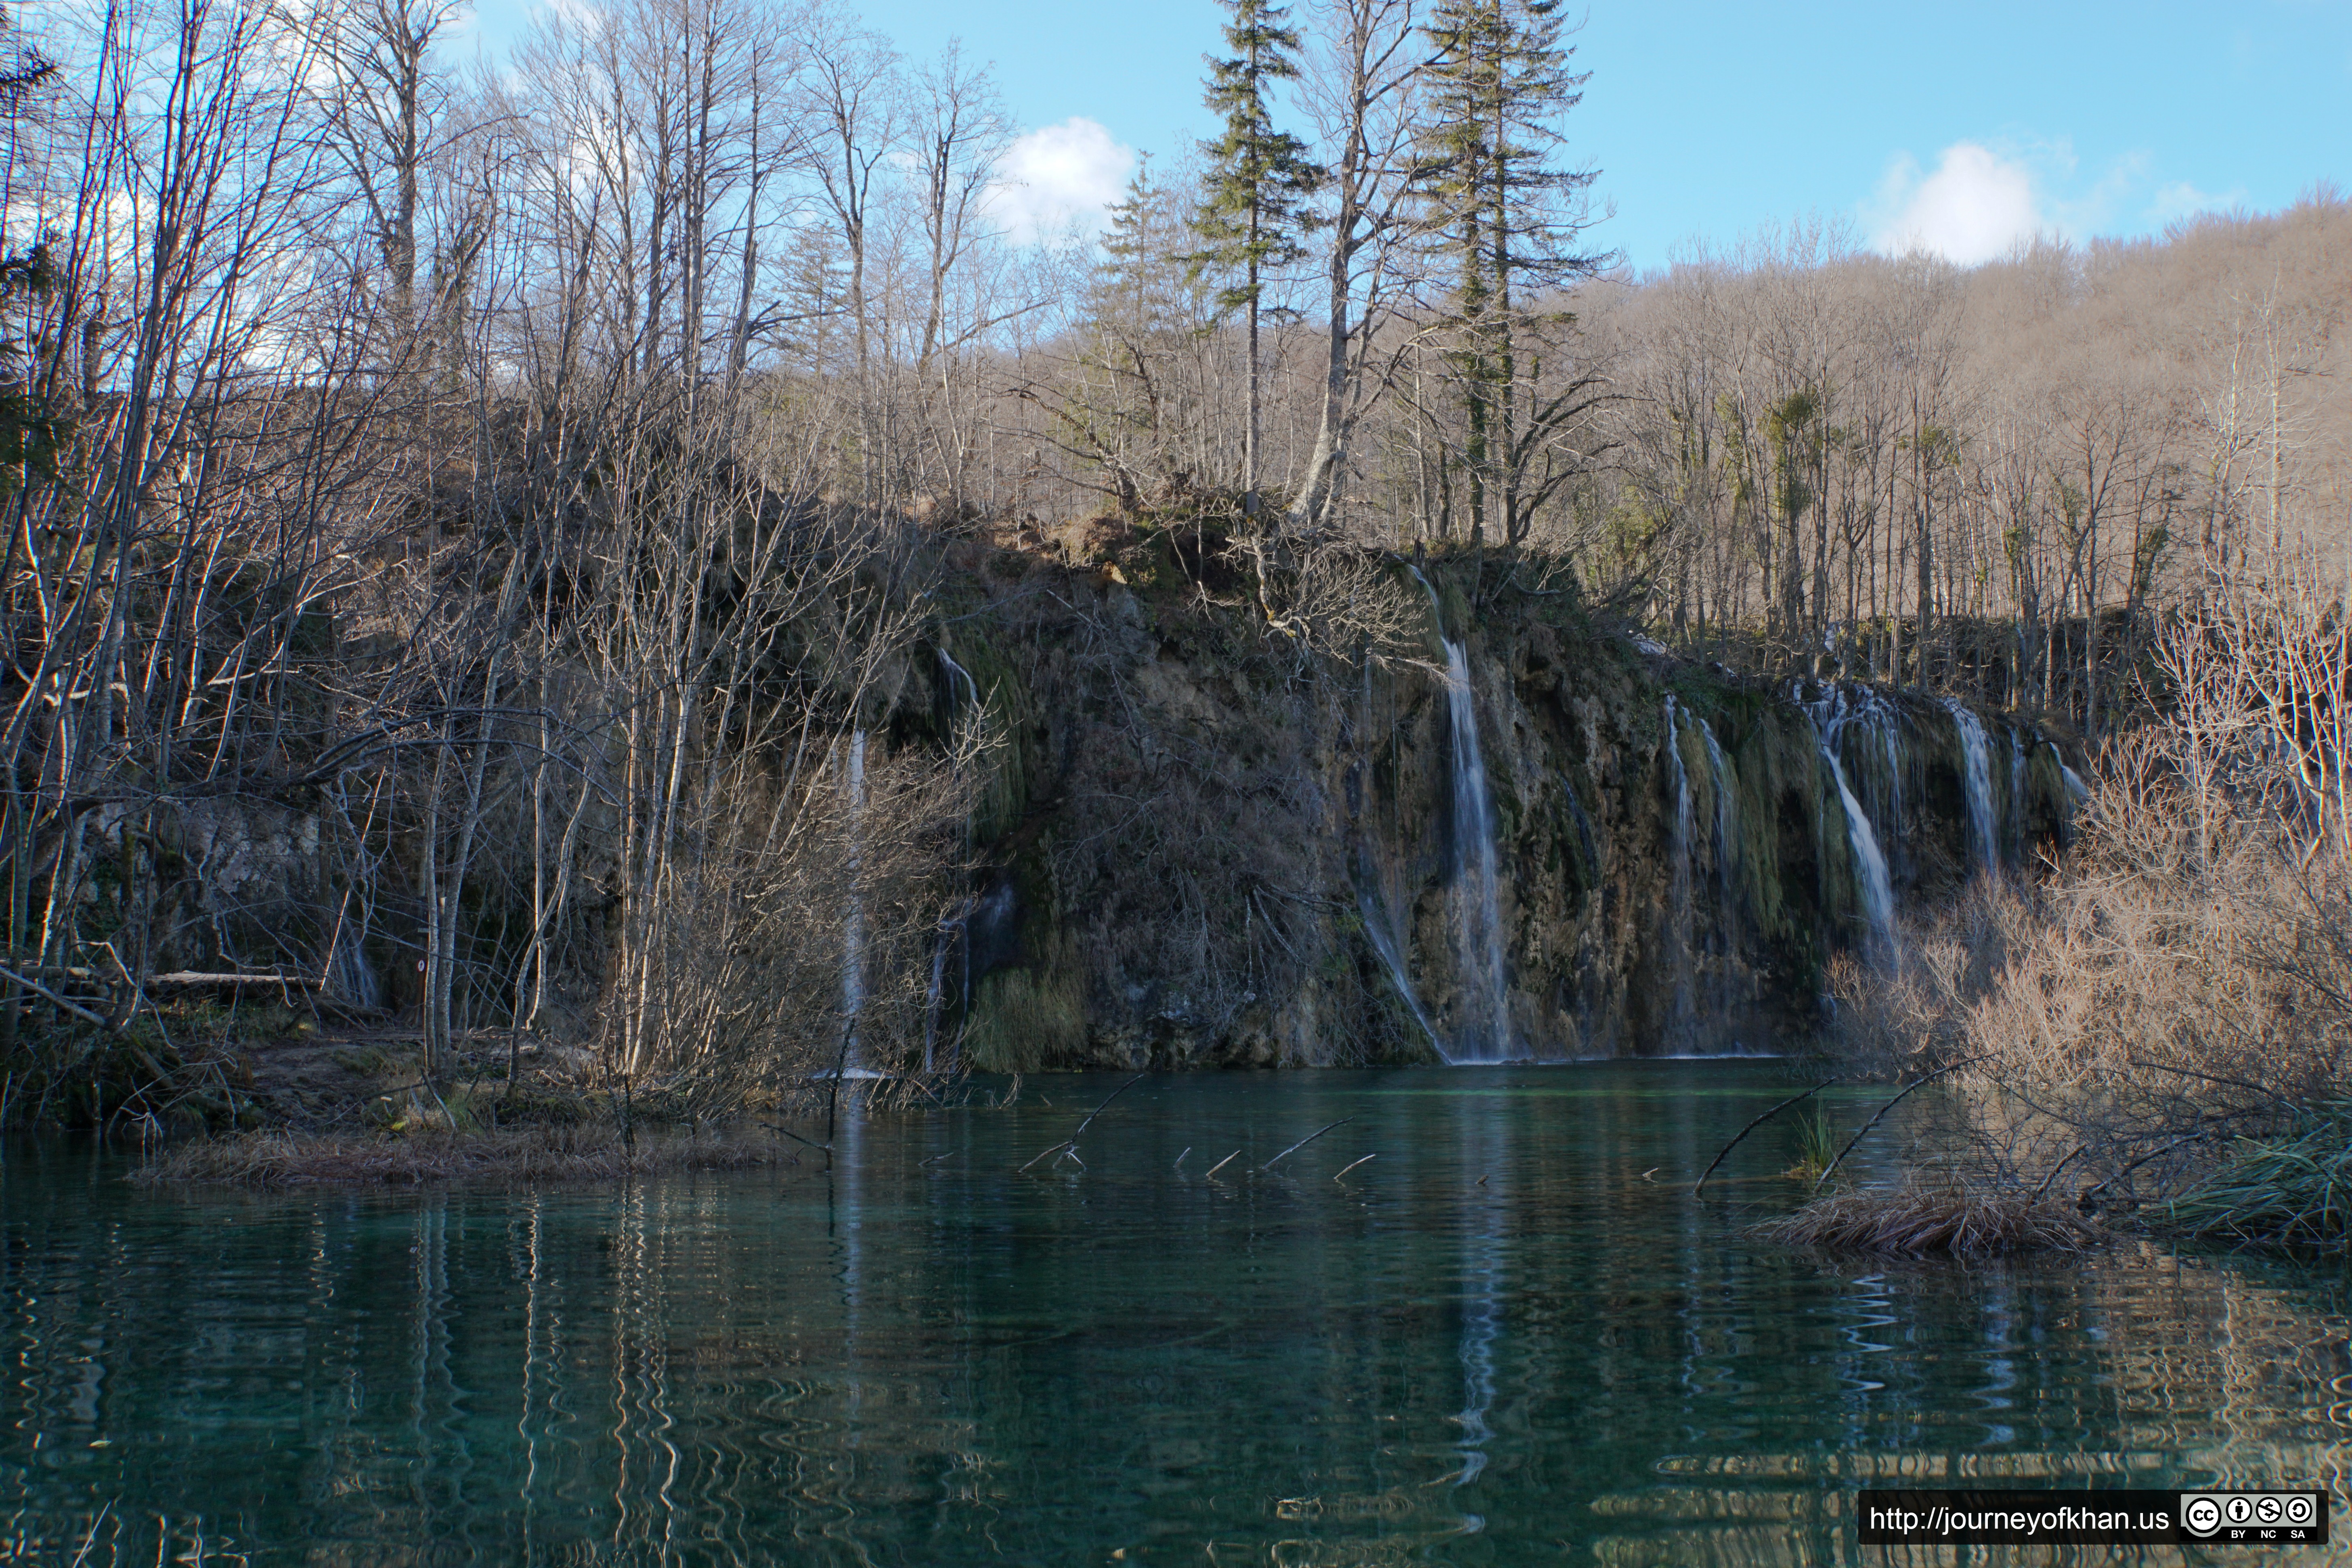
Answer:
(1002, 799)
(1796, 870)
(1024, 1019)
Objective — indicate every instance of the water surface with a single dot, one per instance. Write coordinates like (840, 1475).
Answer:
(1510, 1337)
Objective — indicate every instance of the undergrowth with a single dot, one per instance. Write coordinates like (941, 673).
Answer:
(2155, 1031)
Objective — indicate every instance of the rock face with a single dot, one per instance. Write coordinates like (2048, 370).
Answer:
(1204, 844)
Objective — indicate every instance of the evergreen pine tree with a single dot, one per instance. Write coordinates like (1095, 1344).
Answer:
(1253, 198)
(1506, 212)
(33, 431)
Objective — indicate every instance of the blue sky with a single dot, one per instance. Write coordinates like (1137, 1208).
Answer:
(1956, 127)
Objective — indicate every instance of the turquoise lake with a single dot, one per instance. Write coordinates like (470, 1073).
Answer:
(1511, 1336)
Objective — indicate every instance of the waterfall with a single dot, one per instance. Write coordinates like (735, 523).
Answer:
(931, 1001)
(1877, 892)
(853, 934)
(1728, 993)
(1477, 921)
(1975, 775)
(957, 672)
(1678, 899)
(1830, 716)
(1877, 780)
(350, 976)
(1727, 817)
(1376, 928)
(1707, 992)
(951, 935)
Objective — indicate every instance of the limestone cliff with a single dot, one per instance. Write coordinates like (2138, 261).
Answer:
(1203, 842)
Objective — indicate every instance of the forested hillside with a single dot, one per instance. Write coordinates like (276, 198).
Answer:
(488, 544)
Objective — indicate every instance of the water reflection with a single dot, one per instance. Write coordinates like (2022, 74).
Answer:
(1480, 1135)
(927, 1358)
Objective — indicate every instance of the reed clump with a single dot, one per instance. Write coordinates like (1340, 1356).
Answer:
(516, 1154)
(1922, 1219)
(2292, 1191)
(1816, 1146)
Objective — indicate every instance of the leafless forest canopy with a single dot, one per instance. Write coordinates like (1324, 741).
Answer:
(464, 522)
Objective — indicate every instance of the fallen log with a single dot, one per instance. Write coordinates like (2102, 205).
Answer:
(197, 978)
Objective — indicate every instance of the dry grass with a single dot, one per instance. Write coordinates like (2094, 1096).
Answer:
(521, 1154)
(2293, 1190)
(1919, 1219)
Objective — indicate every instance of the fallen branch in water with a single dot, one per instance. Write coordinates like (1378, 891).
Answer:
(1722, 1154)
(1883, 1110)
(1099, 1109)
(1351, 1166)
(811, 1143)
(1223, 1162)
(1070, 1145)
(194, 978)
(1302, 1143)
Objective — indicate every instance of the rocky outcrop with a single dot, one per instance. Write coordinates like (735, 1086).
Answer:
(1203, 843)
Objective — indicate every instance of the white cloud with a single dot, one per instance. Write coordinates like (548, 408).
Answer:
(1976, 206)
(1983, 201)
(1057, 178)
(2180, 199)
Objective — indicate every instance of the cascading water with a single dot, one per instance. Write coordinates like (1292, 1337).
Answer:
(1485, 1033)
(1477, 920)
(852, 932)
(1830, 716)
(2077, 791)
(950, 936)
(957, 672)
(952, 926)
(1976, 778)
(1376, 928)
(1727, 817)
(1678, 897)
(1728, 993)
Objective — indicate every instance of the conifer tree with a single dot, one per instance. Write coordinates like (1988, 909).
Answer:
(1506, 214)
(1254, 199)
(33, 431)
